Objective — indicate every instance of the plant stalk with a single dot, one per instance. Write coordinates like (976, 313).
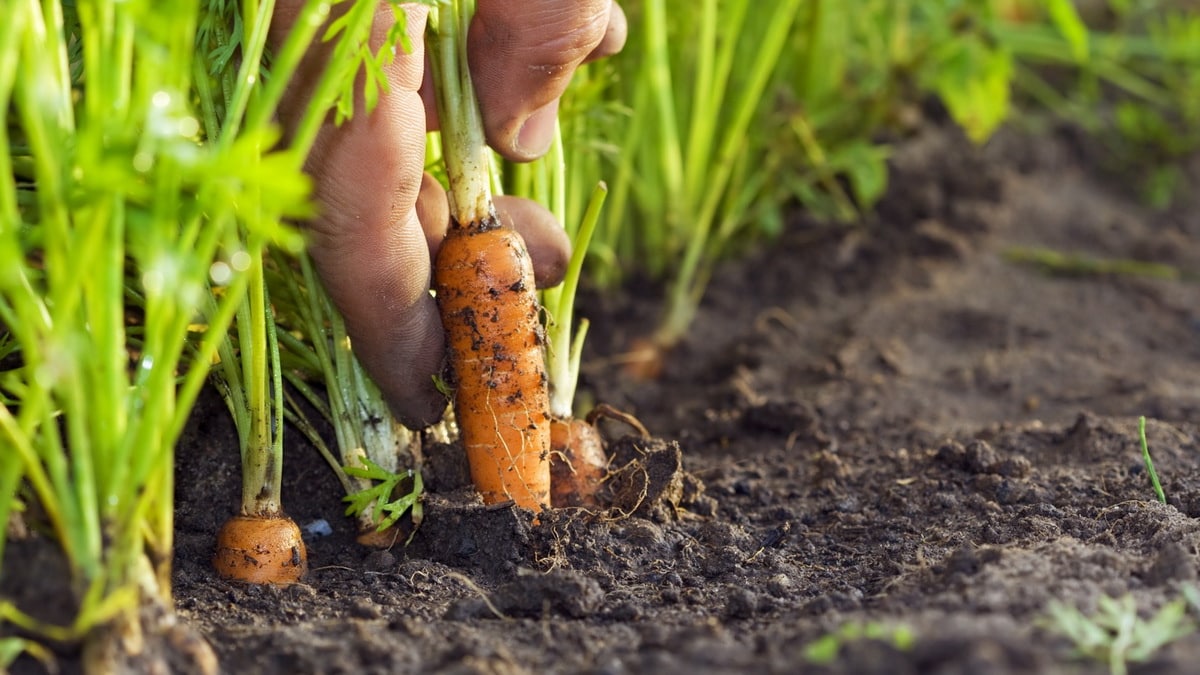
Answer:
(464, 148)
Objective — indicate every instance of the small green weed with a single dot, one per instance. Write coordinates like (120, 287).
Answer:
(824, 650)
(1158, 491)
(1059, 263)
(1116, 633)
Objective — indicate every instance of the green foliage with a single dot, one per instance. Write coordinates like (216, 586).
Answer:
(381, 497)
(141, 154)
(1158, 135)
(708, 135)
(10, 649)
(250, 375)
(370, 63)
(825, 650)
(1158, 490)
(1132, 84)
(113, 183)
(1065, 18)
(1116, 634)
(443, 387)
(551, 181)
(13, 647)
(972, 78)
(689, 168)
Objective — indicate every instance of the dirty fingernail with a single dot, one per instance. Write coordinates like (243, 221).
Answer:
(536, 134)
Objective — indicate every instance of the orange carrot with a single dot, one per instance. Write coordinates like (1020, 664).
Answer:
(645, 359)
(578, 459)
(486, 295)
(489, 308)
(578, 463)
(261, 550)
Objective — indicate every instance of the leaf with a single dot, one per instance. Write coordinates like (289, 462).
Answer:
(823, 650)
(10, 649)
(973, 80)
(372, 64)
(336, 27)
(381, 494)
(371, 471)
(1066, 18)
(443, 386)
(866, 169)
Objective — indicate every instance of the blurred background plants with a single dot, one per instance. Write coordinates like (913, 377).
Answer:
(722, 117)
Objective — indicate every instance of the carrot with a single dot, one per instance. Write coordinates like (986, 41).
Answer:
(645, 359)
(259, 545)
(485, 289)
(486, 295)
(578, 460)
(578, 463)
(261, 550)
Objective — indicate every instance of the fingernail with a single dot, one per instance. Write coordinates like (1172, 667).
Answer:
(537, 133)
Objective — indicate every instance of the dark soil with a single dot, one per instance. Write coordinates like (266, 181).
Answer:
(887, 426)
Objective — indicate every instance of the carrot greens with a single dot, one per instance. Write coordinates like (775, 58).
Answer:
(140, 168)
(114, 183)
(722, 116)
(376, 453)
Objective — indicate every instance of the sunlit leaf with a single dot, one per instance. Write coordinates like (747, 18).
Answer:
(1066, 18)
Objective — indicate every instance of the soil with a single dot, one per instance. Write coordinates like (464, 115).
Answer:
(888, 438)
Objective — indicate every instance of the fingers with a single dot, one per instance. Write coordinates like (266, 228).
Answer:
(548, 244)
(368, 243)
(381, 217)
(614, 36)
(433, 210)
(523, 53)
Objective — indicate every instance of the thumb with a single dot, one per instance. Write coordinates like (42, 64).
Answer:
(522, 55)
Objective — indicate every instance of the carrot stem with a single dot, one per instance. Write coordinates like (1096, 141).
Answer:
(464, 148)
(565, 351)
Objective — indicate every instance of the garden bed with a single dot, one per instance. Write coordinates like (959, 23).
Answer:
(896, 429)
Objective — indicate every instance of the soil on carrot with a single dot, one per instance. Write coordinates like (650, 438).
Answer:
(884, 448)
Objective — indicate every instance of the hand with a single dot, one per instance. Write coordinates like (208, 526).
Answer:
(382, 219)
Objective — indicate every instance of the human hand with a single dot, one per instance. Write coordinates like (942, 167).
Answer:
(382, 218)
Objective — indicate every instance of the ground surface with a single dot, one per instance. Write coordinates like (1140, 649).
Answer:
(895, 427)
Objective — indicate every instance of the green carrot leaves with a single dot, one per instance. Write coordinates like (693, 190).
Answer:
(381, 498)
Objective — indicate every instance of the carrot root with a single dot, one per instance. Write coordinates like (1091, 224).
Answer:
(488, 302)
(398, 533)
(381, 539)
(261, 550)
(578, 463)
(645, 359)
